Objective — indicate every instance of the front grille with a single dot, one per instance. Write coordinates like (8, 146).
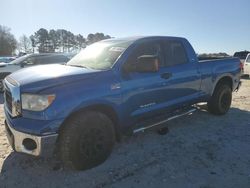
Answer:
(8, 100)
(12, 97)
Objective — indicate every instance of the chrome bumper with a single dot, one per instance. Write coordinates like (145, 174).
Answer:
(44, 145)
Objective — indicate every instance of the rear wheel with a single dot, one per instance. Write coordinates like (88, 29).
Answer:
(221, 99)
(86, 140)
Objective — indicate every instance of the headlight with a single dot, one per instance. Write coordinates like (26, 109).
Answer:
(36, 102)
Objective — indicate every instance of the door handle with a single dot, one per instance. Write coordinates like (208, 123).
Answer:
(166, 75)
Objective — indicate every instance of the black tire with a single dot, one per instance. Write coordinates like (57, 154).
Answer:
(86, 140)
(220, 102)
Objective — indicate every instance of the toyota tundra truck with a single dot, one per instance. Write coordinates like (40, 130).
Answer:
(111, 88)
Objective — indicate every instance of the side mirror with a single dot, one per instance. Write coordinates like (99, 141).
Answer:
(147, 63)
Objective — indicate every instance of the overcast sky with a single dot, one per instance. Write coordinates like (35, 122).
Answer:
(211, 26)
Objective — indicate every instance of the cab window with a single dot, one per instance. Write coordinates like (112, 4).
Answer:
(29, 61)
(175, 53)
(147, 48)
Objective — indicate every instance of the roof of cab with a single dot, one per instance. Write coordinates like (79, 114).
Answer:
(139, 38)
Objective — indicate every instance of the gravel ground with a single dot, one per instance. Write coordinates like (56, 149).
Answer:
(201, 150)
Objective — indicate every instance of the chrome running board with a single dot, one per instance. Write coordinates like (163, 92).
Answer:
(164, 121)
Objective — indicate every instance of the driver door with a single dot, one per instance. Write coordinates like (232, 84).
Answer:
(142, 92)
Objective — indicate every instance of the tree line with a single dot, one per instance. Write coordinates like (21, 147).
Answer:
(207, 56)
(8, 43)
(46, 41)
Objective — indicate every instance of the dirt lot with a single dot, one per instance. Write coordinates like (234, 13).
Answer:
(201, 150)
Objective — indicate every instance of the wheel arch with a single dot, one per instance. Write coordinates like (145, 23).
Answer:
(102, 108)
(224, 80)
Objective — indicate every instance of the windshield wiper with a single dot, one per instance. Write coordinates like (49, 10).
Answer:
(81, 66)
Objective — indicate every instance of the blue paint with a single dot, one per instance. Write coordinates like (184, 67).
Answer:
(132, 96)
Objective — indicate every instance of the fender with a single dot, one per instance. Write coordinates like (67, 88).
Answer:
(227, 76)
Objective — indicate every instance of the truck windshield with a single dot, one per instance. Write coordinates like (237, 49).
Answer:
(101, 55)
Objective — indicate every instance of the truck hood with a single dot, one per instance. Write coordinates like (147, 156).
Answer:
(41, 77)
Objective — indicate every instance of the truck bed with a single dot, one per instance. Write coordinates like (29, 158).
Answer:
(212, 70)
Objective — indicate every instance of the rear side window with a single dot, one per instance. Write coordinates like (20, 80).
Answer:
(30, 61)
(175, 53)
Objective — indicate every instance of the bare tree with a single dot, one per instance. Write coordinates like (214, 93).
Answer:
(7, 41)
(80, 41)
(33, 43)
(25, 44)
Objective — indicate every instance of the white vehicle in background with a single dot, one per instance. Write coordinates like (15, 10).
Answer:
(6, 59)
(31, 60)
(247, 65)
(242, 56)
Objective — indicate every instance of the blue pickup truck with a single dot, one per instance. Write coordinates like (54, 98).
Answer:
(113, 87)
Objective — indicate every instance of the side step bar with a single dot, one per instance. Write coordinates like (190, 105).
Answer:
(164, 121)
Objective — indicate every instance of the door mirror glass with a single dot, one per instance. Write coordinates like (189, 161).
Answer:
(147, 63)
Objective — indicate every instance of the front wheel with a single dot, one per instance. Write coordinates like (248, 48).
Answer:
(221, 99)
(86, 140)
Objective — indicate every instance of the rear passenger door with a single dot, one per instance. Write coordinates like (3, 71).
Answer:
(182, 77)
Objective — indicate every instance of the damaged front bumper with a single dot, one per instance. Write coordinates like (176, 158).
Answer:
(30, 144)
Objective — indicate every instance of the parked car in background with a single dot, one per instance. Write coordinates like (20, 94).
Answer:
(6, 59)
(242, 56)
(247, 65)
(112, 87)
(70, 55)
(30, 60)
